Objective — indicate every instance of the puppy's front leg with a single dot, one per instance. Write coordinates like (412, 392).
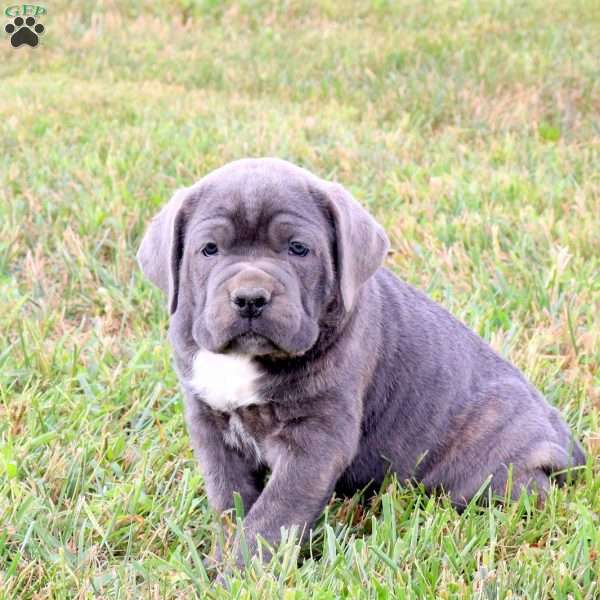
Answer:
(225, 473)
(309, 457)
(224, 470)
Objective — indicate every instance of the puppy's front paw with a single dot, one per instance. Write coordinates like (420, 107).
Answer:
(221, 580)
(218, 569)
(212, 563)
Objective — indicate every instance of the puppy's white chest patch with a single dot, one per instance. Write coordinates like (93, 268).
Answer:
(225, 381)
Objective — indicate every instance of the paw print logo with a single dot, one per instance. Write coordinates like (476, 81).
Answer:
(24, 31)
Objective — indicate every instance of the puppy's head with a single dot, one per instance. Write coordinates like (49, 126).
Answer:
(258, 253)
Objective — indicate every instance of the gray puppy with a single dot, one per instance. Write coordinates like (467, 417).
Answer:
(301, 356)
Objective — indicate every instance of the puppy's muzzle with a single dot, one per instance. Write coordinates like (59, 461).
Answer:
(250, 301)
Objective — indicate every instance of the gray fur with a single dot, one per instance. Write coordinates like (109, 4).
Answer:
(361, 373)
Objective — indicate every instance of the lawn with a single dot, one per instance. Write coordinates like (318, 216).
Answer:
(470, 129)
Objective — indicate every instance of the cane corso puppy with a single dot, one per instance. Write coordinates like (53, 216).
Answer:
(301, 356)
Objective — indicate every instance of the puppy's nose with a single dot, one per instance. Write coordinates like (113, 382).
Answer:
(250, 301)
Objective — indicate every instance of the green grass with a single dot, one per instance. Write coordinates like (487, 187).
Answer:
(471, 129)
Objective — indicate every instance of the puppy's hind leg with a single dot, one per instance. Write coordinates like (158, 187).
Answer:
(534, 472)
(510, 483)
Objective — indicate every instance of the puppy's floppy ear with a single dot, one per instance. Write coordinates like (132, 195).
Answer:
(361, 242)
(161, 250)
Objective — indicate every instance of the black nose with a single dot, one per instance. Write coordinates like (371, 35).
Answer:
(250, 302)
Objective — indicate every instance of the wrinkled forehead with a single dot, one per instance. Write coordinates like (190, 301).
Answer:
(252, 199)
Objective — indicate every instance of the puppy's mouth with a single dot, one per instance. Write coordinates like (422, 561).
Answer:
(252, 343)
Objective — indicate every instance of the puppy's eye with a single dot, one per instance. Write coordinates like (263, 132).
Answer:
(210, 249)
(297, 249)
